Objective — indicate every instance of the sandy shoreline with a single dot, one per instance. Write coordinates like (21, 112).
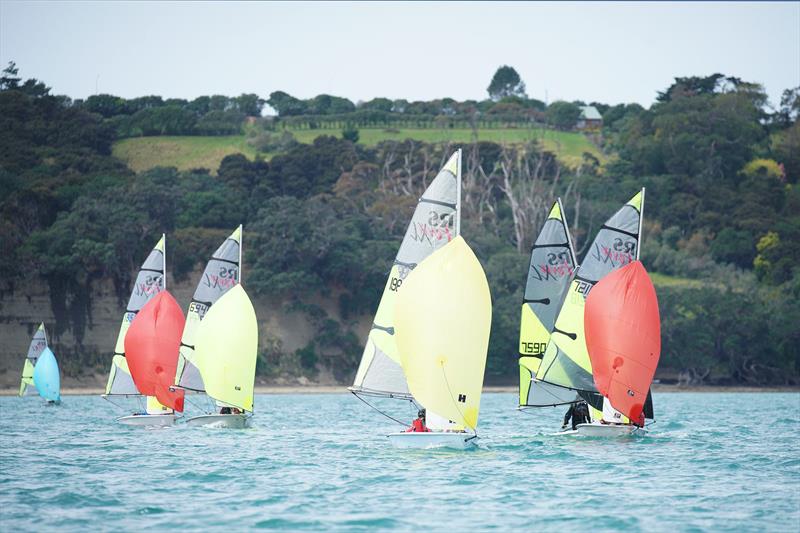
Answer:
(342, 389)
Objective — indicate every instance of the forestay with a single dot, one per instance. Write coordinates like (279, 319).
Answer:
(434, 224)
(566, 360)
(150, 281)
(442, 320)
(550, 269)
(221, 274)
(37, 346)
(226, 349)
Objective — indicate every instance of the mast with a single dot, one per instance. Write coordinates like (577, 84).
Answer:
(240, 252)
(641, 219)
(164, 259)
(458, 195)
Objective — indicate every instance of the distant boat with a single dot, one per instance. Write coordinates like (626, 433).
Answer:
(225, 355)
(150, 281)
(566, 362)
(46, 377)
(550, 270)
(151, 350)
(435, 222)
(442, 321)
(222, 273)
(38, 344)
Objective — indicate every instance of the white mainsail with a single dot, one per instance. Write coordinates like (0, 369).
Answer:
(221, 274)
(37, 346)
(436, 222)
(150, 280)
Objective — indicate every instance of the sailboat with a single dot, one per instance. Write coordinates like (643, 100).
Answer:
(444, 356)
(150, 281)
(623, 338)
(47, 378)
(222, 273)
(225, 355)
(566, 362)
(37, 346)
(550, 270)
(151, 350)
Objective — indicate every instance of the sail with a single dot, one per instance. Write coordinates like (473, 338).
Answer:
(623, 337)
(220, 275)
(226, 349)
(566, 361)
(151, 348)
(37, 346)
(149, 281)
(434, 224)
(442, 320)
(550, 269)
(46, 376)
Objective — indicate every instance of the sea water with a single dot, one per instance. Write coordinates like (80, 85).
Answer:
(712, 461)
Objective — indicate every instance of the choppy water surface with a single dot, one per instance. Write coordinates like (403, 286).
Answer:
(711, 462)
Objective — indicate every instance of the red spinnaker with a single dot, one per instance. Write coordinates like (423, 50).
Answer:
(151, 348)
(623, 336)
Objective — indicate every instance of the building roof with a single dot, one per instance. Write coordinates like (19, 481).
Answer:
(590, 112)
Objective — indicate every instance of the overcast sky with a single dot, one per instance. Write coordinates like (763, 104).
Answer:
(607, 52)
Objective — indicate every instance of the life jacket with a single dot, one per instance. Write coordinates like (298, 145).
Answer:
(417, 426)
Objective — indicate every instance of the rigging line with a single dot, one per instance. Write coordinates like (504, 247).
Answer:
(186, 397)
(475, 430)
(381, 412)
(115, 404)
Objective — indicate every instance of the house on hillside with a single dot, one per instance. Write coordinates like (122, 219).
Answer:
(590, 119)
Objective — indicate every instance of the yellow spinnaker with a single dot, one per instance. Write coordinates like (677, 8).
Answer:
(226, 349)
(442, 320)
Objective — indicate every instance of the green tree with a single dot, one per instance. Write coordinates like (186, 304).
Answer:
(563, 115)
(506, 82)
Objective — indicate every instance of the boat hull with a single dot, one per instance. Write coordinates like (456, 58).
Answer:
(147, 420)
(432, 439)
(218, 421)
(609, 430)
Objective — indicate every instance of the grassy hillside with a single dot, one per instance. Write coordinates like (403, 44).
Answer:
(143, 153)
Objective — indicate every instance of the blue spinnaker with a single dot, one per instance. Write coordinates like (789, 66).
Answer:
(46, 376)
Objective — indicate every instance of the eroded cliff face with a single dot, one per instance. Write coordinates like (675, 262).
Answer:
(83, 334)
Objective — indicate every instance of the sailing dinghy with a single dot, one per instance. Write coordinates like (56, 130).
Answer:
(222, 273)
(443, 355)
(150, 281)
(435, 223)
(37, 346)
(225, 355)
(566, 362)
(151, 350)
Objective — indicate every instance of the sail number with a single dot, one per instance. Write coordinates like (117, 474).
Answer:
(395, 283)
(533, 348)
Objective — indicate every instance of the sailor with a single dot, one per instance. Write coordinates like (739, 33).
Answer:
(225, 411)
(579, 413)
(418, 425)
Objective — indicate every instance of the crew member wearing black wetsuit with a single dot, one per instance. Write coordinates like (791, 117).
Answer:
(579, 413)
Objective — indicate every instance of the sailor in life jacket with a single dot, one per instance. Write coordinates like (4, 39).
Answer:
(579, 413)
(418, 425)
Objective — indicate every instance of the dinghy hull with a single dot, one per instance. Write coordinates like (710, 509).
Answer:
(218, 421)
(148, 420)
(609, 430)
(432, 439)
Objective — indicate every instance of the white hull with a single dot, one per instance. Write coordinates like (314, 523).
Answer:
(218, 421)
(432, 439)
(609, 430)
(148, 420)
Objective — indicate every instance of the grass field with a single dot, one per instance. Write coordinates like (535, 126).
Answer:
(143, 153)
(663, 280)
